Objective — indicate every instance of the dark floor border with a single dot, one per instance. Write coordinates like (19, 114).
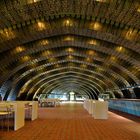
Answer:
(126, 115)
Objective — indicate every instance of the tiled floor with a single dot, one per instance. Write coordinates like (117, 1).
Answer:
(72, 122)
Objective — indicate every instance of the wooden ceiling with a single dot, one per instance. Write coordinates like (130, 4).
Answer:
(86, 46)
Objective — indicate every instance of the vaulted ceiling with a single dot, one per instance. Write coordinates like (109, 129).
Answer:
(86, 46)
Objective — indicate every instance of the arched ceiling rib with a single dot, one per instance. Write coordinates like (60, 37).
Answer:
(61, 72)
(90, 91)
(64, 52)
(71, 78)
(66, 30)
(118, 12)
(98, 40)
(61, 89)
(66, 89)
(76, 89)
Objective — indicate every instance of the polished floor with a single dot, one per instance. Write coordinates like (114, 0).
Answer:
(72, 122)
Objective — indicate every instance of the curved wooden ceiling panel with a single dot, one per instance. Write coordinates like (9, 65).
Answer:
(95, 44)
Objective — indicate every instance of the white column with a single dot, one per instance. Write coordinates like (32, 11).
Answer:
(93, 108)
(101, 110)
(19, 113)
(90, 106)
(34, 110)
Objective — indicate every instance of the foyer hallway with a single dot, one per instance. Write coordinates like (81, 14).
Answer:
(72, 122)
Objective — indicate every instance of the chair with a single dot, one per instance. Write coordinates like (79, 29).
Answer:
(5, 114)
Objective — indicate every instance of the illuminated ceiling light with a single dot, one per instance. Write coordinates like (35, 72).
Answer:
(92, 42)
(70, 57)
(119, 48)
(69, 38)
(138, 10)
(67, 22)
(32, 1)
(70, 50)
(130, 34)
(46, 53)
(91, 52)
(25, 58)
(7, 33)
(95, 26)
(101, 0)
(19, 49)
(44, 42)
(41, 25)
(88, 59)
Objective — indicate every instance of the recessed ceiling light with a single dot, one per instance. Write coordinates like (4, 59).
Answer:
(19, 49)
(68, 38)
(7, 34)
(130, 34)
(44, 42)
(70, 50)
(32, 1)
(41, 25)
(119, 48)
(91, 52)
(47, 53)
(92, 42)
(25, 58)
(67, 22)
(95, 26)
(138, 9)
